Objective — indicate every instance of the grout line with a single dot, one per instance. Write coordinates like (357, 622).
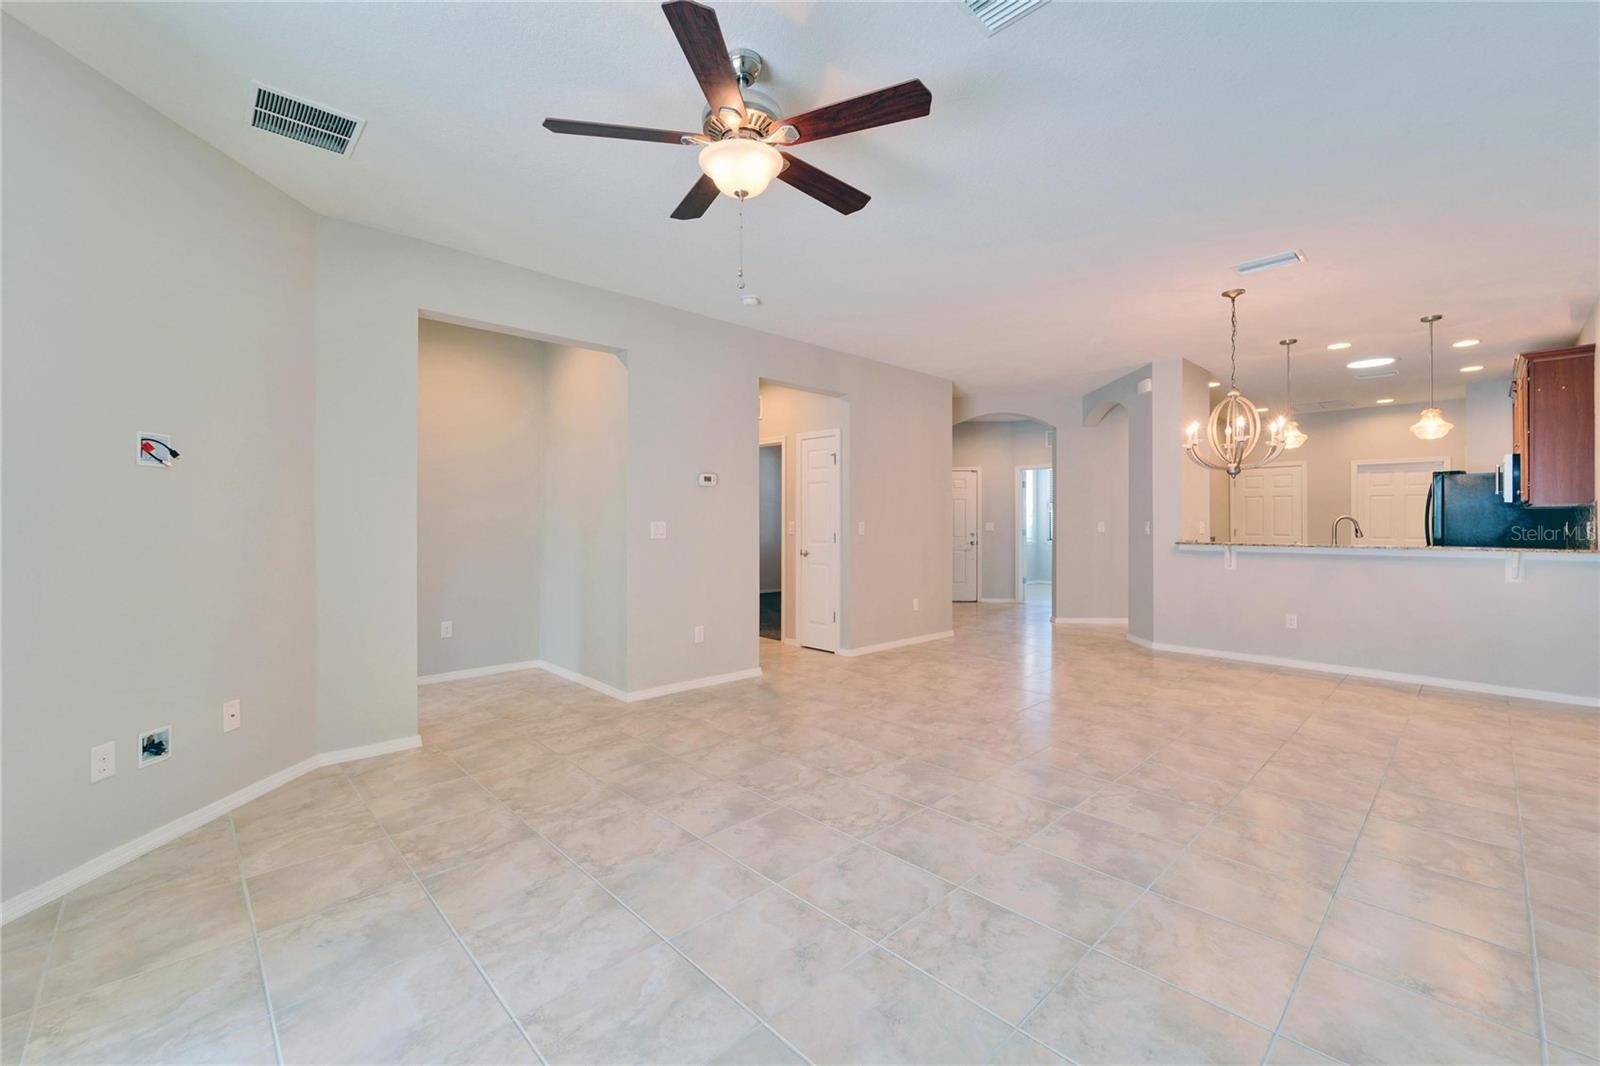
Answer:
(1527, 900)
(44, 971)
(255, 941)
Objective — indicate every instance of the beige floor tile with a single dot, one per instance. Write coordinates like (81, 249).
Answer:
(108, 944)
(780, 843)
(1175, 784)
(869, 890)
(1469, 860)
(1105, 846)
(1465, 907)
(1233, 967)
(14, 1036)
(1277, 851)
(400, 772)
(565, 932)
(848, 806)
(684, 887)
(1039, 778)
(432, 1007)
(290, 892)
(658, 780)
(206, 1008)
(759, 1047)
(1568, 937)
(999, 959)
(435, 847)
(1248, 896)
(880, 1010)
(1460, 970)
(493, 887)
(1011, 816)
(1286, 1052)
(618, 841)
(942, 845)
(203, 858)
(1356, 1018)
(712, 807)
(912, 779)
(1020, 1049)
(1571, 1006)
(558, 796)
(1329, 824)
(1144, 812)
(652, 1007)
(321, 792)
(350, 942)
(284, 840)
(1442, 816)
(24, 946)
(1072, 899)
(1107, 1012)
(771, 949)
(403, 812)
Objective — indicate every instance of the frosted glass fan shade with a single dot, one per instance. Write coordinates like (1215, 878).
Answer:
(741, 167)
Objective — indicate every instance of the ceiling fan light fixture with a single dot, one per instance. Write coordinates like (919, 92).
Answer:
(741, 167)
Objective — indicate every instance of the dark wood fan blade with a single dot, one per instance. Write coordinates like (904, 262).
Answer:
(700, 37)
(819, 184)
(605, 129)
(694, 205)
(909, 99)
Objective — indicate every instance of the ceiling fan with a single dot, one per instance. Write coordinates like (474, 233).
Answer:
(741, 125)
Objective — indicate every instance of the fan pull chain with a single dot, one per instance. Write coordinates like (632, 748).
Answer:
(741, 244)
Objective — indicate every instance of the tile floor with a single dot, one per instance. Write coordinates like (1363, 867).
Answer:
(1024, 844)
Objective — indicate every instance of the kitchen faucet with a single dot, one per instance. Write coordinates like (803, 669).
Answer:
(1355, 526)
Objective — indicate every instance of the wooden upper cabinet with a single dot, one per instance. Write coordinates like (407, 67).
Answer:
(1552, 425)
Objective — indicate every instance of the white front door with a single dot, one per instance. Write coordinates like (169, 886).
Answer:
(1389, 499)
(1268, 505)
(817, 613)
(964, 535)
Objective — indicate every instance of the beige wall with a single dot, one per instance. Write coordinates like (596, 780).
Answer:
(151, 285)
(997, 449)
(1487, 432)
(784, 414)
(480, 400)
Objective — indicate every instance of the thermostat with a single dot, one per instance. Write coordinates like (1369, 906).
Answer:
(707, 480)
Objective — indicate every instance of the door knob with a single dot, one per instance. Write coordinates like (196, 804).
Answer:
(804, 551)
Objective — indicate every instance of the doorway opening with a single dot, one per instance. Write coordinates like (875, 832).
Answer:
(808, 430)
(771, 476)
(1036, 533)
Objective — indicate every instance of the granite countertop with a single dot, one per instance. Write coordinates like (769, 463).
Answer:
(1588, 552)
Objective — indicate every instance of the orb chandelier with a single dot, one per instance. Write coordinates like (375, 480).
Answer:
(1431, 426)
(1293, 436)
(1235, 427)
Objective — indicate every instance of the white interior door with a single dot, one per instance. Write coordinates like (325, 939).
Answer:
(817, 612)
(1389, 498)
(964, 535)
(1268, 505)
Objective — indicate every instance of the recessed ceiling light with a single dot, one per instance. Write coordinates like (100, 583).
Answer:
(1386, 399)
(1255, 266)
(1261, 410)
(1338, 346)
(1471, 369)
(1470, 342)
(1213, 384)
(1368, 364)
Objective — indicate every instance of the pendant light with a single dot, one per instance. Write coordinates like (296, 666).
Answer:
(1234, 429)
(1431, 426)
(1292, 435)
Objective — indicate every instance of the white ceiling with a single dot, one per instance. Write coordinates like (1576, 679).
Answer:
(1070, 209)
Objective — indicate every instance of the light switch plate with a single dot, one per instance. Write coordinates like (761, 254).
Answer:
(861, 529)
(102, 761)
(658, 531)
(447, 629)
(988, 527)
(231, 715)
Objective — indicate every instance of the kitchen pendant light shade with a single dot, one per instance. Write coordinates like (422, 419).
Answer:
(1431, 426)
(1234, 428)
(740, 166)
(1293, 436)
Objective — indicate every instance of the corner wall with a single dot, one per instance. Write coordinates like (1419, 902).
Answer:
(151, 285)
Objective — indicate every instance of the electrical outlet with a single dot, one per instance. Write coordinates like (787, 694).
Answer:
(102, 761)
(230, 716)
(861, 529)
(916, 604)
(988, 527)
(1291, 621)
(658, 531)
(155, 746)
(699, 634)
(447, 629)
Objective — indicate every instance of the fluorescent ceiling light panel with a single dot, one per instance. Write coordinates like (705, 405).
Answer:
(1255, 266)
(1470, 342)
(1338, 346)
(1368, 364)
(1471, 369)
(1386, 399)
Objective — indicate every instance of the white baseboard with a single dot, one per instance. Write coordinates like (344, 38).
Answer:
(478, 671)
(587, 682)
(997, 599)
(1376, 675)
(1090, 621)
(121, 855)
(888, 645)
(638, 694)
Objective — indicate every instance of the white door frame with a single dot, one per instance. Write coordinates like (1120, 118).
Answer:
(1305, 499)
(1357, 464)
(838, 570)
(977, 526)
(1017, 518)
(783, 520)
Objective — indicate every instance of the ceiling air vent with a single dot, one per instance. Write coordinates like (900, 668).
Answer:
(304, 122)
(996, 15)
